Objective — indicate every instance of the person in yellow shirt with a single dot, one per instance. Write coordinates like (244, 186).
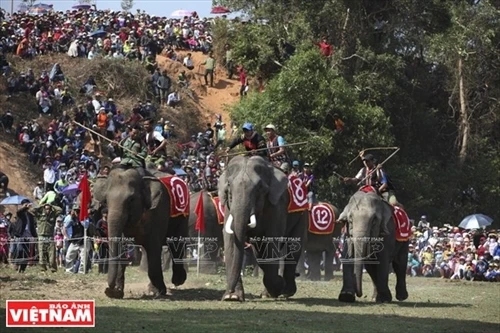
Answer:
(428, 256)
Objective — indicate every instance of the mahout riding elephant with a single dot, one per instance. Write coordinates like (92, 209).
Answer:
(365, 246)
(315, 244)
(213, 243)
(255, 198)
(139, 208)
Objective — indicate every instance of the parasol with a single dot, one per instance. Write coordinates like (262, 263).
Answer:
(220, 10)
(181, 13)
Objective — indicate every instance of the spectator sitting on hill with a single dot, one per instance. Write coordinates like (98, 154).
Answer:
(188, 62)
(4, 183)
(7, 120)
(173, 99)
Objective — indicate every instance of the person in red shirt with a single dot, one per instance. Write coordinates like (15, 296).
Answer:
(243, 81)
(325, 48)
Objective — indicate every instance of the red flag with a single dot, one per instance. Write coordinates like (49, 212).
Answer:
(84, 187)
(200, 219)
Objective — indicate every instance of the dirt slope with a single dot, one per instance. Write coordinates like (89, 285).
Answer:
(210, 101)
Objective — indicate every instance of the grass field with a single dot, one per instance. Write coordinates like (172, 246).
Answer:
(434, 305)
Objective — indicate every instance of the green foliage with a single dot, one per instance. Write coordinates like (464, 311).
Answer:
(395, 85)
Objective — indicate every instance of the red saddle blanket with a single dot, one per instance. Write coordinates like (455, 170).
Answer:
(368, 189)
(219, 209)
(322, 219)
(298, 195)
(179, 195)
(403, 225)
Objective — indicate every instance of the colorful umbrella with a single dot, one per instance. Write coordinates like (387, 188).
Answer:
(13, 200)
(38, 11)
(70, 190)
(220, 10)
(181, 13)
(43, 5)
(475, 221)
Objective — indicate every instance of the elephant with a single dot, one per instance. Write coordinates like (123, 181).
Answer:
(212, 236)
(365, 246)
(139, 208)
(255, 198)
(314, 246)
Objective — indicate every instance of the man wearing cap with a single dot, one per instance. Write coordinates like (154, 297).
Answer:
(134, 151)
(24, 231)
(275, 143)
(155, 142)
(251, 140)
(47, 216)
(296, 169)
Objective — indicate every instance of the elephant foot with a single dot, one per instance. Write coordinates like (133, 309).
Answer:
(179, 277)
(347, 297)
(232, 297)
(383, 299)
(114, 293)
(328, 277)
(274, 285)
(290, 289)
(402, 296)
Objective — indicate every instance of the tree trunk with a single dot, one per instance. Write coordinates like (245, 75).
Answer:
(464, 127)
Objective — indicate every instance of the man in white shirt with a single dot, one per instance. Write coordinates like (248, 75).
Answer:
(49, 177)
(173, 99)
(188, 62)
(96, 102)
(38, 191)
(154, 140)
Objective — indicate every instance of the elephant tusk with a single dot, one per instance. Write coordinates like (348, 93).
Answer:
(228, 225)
(253, 221)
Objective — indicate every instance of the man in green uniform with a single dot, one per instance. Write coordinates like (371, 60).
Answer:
(134, 151)
(47, 216)
(209, 64)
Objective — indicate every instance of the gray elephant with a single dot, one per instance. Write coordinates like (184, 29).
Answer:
(255, 197)
(139, 207)
(366, 247)
(210, 253)
(316, 243)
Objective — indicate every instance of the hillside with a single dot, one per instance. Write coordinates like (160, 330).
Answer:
(112, 79)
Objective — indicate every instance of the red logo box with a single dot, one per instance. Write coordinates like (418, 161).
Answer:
(63, 313)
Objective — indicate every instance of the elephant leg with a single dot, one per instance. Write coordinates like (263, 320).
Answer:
(371, 269)
(347, 294)
(178, 228)
(329, 254)
(382, 271)
(314, 261)
(399, 265)
(292, 257)
(273, 283)
(155, 273)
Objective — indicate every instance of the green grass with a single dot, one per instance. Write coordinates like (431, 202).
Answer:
(434, 305)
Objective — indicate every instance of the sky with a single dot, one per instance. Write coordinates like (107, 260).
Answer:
(156, 7)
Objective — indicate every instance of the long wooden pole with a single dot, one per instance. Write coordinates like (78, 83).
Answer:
(261, 149)
(378, 166)
(105, 138)
(362, 152)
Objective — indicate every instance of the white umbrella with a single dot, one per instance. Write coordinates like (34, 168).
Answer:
(475, 221)
(181, 13)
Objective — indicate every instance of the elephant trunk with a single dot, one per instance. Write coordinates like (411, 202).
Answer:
(115, 231)
(240, 218)
(359, 256)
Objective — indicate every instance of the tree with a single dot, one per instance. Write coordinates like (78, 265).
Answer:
(127, 5)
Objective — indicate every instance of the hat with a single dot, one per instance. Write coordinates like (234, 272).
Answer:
(307, 164)
(271, 127)
(25, 201)
(368, 157)
(295, 163)
(247, 126)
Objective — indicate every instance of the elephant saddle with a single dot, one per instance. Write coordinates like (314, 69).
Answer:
(322, 219)
(218, 208)
(179, 195)
(403, 225)
(298, 195)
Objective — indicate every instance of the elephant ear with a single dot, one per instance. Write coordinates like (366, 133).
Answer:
(223, 188)
(100, 188)
(152, 192)
(278, 185)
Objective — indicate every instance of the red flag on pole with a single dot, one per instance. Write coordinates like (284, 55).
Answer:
(86, 197)
(200, 219)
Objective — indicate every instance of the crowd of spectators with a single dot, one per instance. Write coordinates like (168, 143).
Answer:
(451, 253)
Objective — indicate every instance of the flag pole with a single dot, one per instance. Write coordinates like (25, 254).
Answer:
(198, 251)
